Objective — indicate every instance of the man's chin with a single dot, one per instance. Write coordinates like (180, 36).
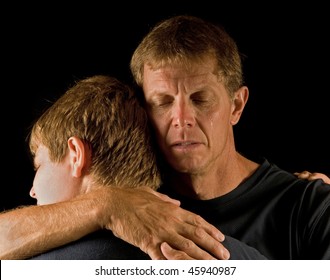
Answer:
(187, 167)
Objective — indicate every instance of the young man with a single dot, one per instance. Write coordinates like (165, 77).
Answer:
(191, 75)
(94, 134)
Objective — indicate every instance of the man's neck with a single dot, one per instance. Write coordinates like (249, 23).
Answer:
(215, 182)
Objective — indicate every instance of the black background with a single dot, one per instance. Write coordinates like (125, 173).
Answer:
(44, 48)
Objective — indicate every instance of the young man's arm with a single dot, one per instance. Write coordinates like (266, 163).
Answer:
(143, 218)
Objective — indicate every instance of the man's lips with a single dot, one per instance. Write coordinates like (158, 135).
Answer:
(185, 144)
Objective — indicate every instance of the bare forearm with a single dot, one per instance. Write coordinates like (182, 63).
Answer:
(141, 218)
(28, 231)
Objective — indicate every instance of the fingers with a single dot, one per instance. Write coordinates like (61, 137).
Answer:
(189, 243)
(156, 254)
(199, 222)
(312, 176)
(201, 245)
(190, 239)
(316, 175)
(172, 254)
(199, 239)
(302, 175)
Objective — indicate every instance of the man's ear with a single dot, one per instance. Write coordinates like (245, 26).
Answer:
(240, 99)
(79, 154)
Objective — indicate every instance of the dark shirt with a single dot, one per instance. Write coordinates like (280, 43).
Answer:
(100, 245)
(103, 245)
(273, 211)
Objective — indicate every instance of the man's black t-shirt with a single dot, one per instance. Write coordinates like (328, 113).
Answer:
(283, 217)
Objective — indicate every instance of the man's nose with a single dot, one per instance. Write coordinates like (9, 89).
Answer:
(183, 115)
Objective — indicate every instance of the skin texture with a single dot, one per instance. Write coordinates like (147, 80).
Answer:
(55, 181)
(193, 118)
(310, 176)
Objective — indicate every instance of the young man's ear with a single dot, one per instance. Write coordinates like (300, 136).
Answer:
(238, 105)
(79, 154)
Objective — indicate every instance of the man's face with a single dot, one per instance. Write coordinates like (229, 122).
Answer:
(53, 181)
(192, 115)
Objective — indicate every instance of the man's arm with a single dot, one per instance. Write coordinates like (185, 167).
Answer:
(27, 231)
(143, 218)
(153, 218)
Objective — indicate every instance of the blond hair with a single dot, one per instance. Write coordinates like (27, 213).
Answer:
(106, 115)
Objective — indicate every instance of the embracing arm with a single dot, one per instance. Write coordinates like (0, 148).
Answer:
(143, 218)
(153, 218)
(30, 230)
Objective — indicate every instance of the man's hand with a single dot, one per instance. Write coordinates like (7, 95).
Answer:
(147, 219)
(312, 176)
(173, 254)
